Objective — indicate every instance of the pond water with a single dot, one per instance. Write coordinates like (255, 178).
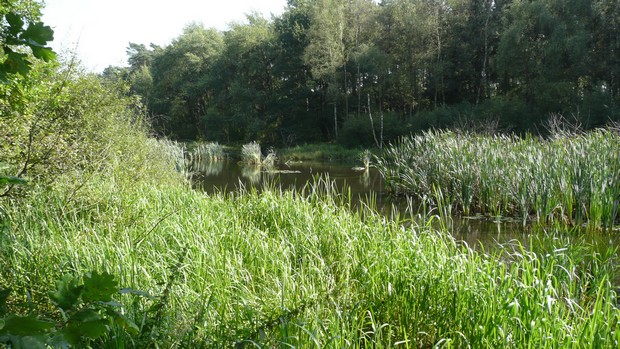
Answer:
(226, 176)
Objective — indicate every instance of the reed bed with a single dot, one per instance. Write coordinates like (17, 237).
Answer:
(251, 153)
(207, 152)
(280, 269)
(174, 152)
(573, 178)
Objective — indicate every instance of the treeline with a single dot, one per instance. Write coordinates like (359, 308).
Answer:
(362, 72)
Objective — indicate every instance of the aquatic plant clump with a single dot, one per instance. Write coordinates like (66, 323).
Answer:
(251, 153)
(271, 158)
(207, 152)
(572, 178)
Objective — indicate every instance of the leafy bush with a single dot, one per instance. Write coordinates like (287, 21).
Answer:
(61, 121)
(505, 114)
(86, 310)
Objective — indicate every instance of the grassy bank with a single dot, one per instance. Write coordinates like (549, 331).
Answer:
(572, 178)
(320, 152)
(278, 269)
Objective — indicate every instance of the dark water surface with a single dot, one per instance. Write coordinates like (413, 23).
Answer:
(225, 176)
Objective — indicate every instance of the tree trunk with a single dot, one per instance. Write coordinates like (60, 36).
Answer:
(372, 124)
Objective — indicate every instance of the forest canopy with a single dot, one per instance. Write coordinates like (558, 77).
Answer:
(335, 70)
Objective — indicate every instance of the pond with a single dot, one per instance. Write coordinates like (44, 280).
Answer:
(226, 176)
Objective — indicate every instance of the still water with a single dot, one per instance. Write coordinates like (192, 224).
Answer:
(226, 176)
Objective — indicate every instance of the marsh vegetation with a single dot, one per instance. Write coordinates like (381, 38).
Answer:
(573, 178)
(105, 244)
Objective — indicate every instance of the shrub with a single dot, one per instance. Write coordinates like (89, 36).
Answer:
(62, 121)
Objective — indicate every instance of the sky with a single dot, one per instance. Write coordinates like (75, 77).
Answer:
(99, 31)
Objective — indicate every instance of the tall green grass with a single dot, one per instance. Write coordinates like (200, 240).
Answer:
(251, 154)
(280, 269)
(175, 152)
(571, 178)
(206, 152)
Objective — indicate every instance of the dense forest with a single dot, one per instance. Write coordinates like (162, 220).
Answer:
(354, 71)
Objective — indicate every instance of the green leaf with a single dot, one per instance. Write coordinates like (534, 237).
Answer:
(99, 287)
(94, 329)
(38, 34)
(26, 326)
(85, 323)
(67, 292)
(123, 321)
(44, 53)
(75, 331)
(16, 63)
(25, 331)
(4, 78)
(136, 293)
(26, 342)
(85, 315)
(15, 23)
(4, 180)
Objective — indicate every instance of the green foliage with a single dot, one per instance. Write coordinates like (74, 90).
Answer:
(12, 180)
(358, 130)
(297, 78)
(60, 122)
(175, 83)
(297, 269)
(300, 269)
(88, 313)
(570, 177)
(320, 152)
(18, 33)
(25, 331)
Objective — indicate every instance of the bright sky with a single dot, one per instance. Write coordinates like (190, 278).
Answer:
(100, 30)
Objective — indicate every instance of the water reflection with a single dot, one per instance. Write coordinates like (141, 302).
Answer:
(206, 167)
(251, 172)
(365, 178)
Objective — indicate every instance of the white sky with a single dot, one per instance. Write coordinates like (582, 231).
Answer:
(100, 30)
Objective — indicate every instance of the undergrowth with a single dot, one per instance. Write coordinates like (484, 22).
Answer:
(301, 270)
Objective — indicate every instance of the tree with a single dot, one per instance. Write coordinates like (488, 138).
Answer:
(245, 82)
(406, 39)
(364, 33)
(326, 51)
(20, 32)
(297, 103)
(543, 52)
(606, 49)
(180, 93)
